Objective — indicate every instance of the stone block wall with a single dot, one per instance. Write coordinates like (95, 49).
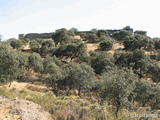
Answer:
(33, 36)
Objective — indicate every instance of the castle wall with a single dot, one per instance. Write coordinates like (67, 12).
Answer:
(33, 36)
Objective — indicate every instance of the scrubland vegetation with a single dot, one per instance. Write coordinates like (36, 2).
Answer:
(94, 85)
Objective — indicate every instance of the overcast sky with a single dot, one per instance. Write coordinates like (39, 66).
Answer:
(38, 16)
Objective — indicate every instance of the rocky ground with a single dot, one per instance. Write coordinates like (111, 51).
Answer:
(14, 109)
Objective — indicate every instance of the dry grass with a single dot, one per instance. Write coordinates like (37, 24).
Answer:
(95, 46)
(116, 46)
(31, 73)
(76, 37)
(19, 86)
(92, 46)
(37, 88)
(27, 47)
(150, 53)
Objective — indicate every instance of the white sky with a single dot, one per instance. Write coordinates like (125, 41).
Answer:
(39, 16)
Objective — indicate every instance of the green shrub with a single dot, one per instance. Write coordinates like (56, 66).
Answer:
(35, 46)
(106, 45)
(16, 44)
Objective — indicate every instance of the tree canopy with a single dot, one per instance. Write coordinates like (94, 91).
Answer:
(116, 86)
(122, 35)
(10, 63)
(77, 76)
(61, 36)
(35, 62)
(16, 44)
(71, 50)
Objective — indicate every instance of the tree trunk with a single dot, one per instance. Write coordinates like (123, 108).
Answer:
(79, 92)
(9, 84)
(117, 108)
(143, 104)
(72, 58)
(68, 91)
(153, 106)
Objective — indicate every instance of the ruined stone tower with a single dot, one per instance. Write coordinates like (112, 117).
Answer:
(21, 36)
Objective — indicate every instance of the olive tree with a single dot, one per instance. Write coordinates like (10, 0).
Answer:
(142, 92)
(143, 40)
(101, 60)
(92, 37)
(23, 63)
(104, 38)
(140, 32)
(56, 60)
(139, 41)
(35, 62)
(101, 33)
(53, 73)
(137, 60)
(71, 50)
(116, 86)
(35, 46)
(46, 47)
(123, 59)
(106, 44)
(49, 43)
(9, 64)
(61, 36)
(155, 97)
(158, 56)
(73, 31)
(52, 62)
(16, 44)
(77, 76)
(122, 35)
(141, 62)
(83, 36)
(153, 70)
(156, 43)
(40, 41)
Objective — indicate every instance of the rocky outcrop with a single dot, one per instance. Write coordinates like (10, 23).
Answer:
(21, 110)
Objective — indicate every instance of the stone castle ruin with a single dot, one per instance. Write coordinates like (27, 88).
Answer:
(33, 36)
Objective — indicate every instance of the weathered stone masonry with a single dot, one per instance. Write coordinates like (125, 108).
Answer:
(33, 36)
